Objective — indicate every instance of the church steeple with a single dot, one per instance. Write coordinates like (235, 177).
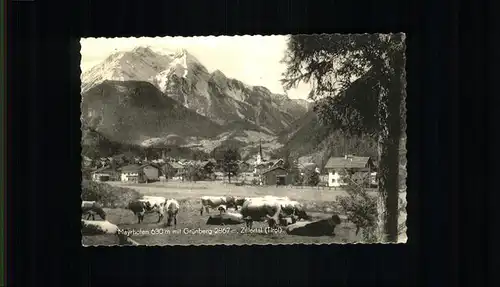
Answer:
(260, 150)
(260, 158)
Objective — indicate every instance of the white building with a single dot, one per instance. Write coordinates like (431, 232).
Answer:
(139, 173)
(130, 173)
(349, 163)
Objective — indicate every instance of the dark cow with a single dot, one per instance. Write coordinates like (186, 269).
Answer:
(140, 208)
(322, 227)
(91, 208)
(259, 209)
(208, 202)
(172, 209)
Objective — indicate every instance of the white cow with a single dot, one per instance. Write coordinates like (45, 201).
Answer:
(289, 208)
(222, 208)
(90, 227)
(258, 209)
(171, 207)
(293, 208)
(228, 218)
(154, 204)
(208, 202)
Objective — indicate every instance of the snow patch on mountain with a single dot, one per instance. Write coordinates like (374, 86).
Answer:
(179, 65)
(139, 64)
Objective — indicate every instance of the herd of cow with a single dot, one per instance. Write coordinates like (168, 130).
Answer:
(276, 211)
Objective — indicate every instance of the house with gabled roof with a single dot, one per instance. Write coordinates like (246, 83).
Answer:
(276, 175)
(172, 169)
(105, 173)
(350, 165)
(140, 173)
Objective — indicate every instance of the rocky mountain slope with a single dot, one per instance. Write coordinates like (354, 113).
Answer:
(310, 141)
(180, 76)
(135, 111)
(139, 64)
(307, 137)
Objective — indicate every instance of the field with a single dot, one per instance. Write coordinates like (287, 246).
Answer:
(320, 203)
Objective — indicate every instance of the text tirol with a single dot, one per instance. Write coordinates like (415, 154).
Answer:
(261, 230)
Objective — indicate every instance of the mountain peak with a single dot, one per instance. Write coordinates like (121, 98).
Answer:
(142, 49)
(186, 56)
(262, 89)
(218, 74)
(182, 51)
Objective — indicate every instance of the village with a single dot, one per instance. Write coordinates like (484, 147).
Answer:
(257, 171)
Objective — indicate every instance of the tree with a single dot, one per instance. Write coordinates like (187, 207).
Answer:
(372, 105)
(198, 155)
(360, 208)
(294, 172)
(90, 151)
(287, 160)
(194, 172)
(230, 162)
(311, 177)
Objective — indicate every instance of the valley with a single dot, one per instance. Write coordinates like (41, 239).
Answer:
(159, 99)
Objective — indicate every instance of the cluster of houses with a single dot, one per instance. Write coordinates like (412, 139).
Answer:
(150, 171)
(361, 169)
(265, 172)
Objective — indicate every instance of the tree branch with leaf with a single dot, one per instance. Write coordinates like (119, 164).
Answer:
(358, 84)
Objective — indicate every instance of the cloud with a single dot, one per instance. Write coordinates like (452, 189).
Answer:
(255, 60)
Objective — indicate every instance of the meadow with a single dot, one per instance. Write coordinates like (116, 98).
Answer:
(192, 229)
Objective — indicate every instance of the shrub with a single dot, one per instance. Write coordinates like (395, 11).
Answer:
(194, 173)
(311, 177)
(107, 195)
(361, 209)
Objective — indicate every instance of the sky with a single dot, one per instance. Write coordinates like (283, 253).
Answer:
(254, 60)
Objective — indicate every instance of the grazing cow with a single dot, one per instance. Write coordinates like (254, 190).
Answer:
(139, 208)
(256, 209)
(239, 201)
(285, 221)
(208, 202)
(222, 208)
(289, 207)
(91, 208)
(172, 209)
(272, 197)
(294, 208)
(155, 204)
(322, 227)
(98, 227)
(230, 218)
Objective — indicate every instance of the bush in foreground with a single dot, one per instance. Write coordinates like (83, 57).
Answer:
(361, 209)
(109, 196)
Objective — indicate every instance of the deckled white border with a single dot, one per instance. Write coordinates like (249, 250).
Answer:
(403, 235)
